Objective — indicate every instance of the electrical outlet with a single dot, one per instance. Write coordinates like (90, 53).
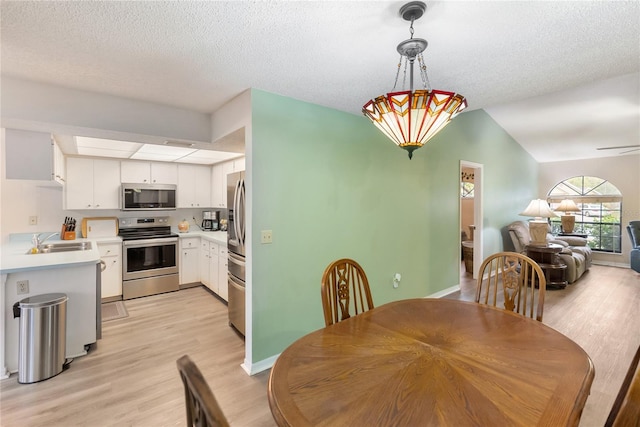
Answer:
(396, 279)
(33, 220)
(23, 287)
(266, 236)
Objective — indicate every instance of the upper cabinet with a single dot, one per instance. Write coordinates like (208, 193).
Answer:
(148, 172)
(59, 165)
(239, 164)
(219, 174)
(34, 156)
(194, 186)
(92, 184)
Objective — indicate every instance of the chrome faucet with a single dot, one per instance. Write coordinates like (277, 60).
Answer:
(39, 242)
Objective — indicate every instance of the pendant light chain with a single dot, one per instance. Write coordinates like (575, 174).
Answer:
(411, 118)
(423, 72)
(395, 83)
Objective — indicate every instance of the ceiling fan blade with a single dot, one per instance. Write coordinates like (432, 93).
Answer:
(629, 151)
(620, 146)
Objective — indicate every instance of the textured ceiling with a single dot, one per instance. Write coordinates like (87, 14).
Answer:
(539, 68)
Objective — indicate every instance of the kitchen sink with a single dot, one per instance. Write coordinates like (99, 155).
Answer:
(49, 248)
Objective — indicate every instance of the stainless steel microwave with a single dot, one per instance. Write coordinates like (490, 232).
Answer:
(148, 197)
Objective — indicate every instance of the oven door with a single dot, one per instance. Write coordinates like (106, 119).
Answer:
(149, 257)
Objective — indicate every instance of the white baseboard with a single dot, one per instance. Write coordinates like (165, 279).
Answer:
(444, 292)
(260, 366)
(612, 264)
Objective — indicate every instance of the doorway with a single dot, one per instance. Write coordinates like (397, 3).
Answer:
(471, 234)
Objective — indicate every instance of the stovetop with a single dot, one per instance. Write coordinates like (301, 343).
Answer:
(145, 228)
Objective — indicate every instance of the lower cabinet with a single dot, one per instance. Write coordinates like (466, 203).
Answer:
(203, 266)
(223, 289)
(213, 267)
(111, 277)
(189, 260)
(204, 261)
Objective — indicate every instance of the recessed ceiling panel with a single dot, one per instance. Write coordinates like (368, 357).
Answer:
(83, 143)
(206, 157)
(102, 152)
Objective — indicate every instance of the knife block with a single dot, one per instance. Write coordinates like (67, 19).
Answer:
(67, 235)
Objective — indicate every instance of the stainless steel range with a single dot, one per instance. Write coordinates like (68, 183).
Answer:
(150, 256)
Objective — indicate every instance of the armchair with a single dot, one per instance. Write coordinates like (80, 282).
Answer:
(634, 256)
(575, 252)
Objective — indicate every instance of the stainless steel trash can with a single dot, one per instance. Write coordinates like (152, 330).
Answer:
(43, 337)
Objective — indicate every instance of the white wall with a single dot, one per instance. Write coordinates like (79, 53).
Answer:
(621, 171)
(41, 107)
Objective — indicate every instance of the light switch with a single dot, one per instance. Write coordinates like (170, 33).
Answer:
(266, 236)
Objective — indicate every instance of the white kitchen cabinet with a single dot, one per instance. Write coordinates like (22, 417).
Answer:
(111, 277)
(210, 267)
(33, 156)
(213, 267)
(219, 174)
(239, 164)
(92, 184)
(218, 187)
(189, 260)
(59, 170)
(194, 186)
(148, 172)
(203, 264)
(223, 289)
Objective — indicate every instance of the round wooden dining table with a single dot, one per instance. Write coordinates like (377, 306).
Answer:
(431, 362)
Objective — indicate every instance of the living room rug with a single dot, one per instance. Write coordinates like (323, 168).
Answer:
(114, 310)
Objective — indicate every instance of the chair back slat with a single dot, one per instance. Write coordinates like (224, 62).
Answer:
(201, 405)
(345, 291)
(626, 408)
(513, 281)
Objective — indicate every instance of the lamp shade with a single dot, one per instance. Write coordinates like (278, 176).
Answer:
(538, 209)
(410, 119)
(568, 205)
(568, 221)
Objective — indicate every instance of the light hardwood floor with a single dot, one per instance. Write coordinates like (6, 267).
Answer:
(600, 312)
(131, 379)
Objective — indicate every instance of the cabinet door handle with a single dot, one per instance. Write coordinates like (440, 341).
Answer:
(103, 265)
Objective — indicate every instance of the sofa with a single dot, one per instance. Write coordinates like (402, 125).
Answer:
(575, 254)
(634, 256)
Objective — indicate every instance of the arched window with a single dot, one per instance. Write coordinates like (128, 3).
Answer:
(466, 183)
(600, 204)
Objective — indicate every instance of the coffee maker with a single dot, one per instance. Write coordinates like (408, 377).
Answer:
(211, 220)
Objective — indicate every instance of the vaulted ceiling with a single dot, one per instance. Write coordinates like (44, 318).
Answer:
(563, 78)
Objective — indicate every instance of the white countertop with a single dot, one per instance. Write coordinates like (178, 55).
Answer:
(219, 237)
(14, 256)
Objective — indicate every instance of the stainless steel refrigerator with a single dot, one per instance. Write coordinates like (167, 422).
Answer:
(236, 244)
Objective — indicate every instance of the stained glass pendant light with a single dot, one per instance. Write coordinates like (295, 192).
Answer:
(411, 118)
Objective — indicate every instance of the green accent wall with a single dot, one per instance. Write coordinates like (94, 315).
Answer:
(330, 185)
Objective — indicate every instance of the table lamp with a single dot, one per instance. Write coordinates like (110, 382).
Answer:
(538, 227)
(568, 221)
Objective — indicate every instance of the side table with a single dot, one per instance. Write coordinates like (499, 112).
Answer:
(467, 255)
(555, 272)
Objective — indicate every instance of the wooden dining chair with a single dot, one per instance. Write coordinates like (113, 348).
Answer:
(513, 280)
(345, 291)
(202, 408)
(626, 408)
